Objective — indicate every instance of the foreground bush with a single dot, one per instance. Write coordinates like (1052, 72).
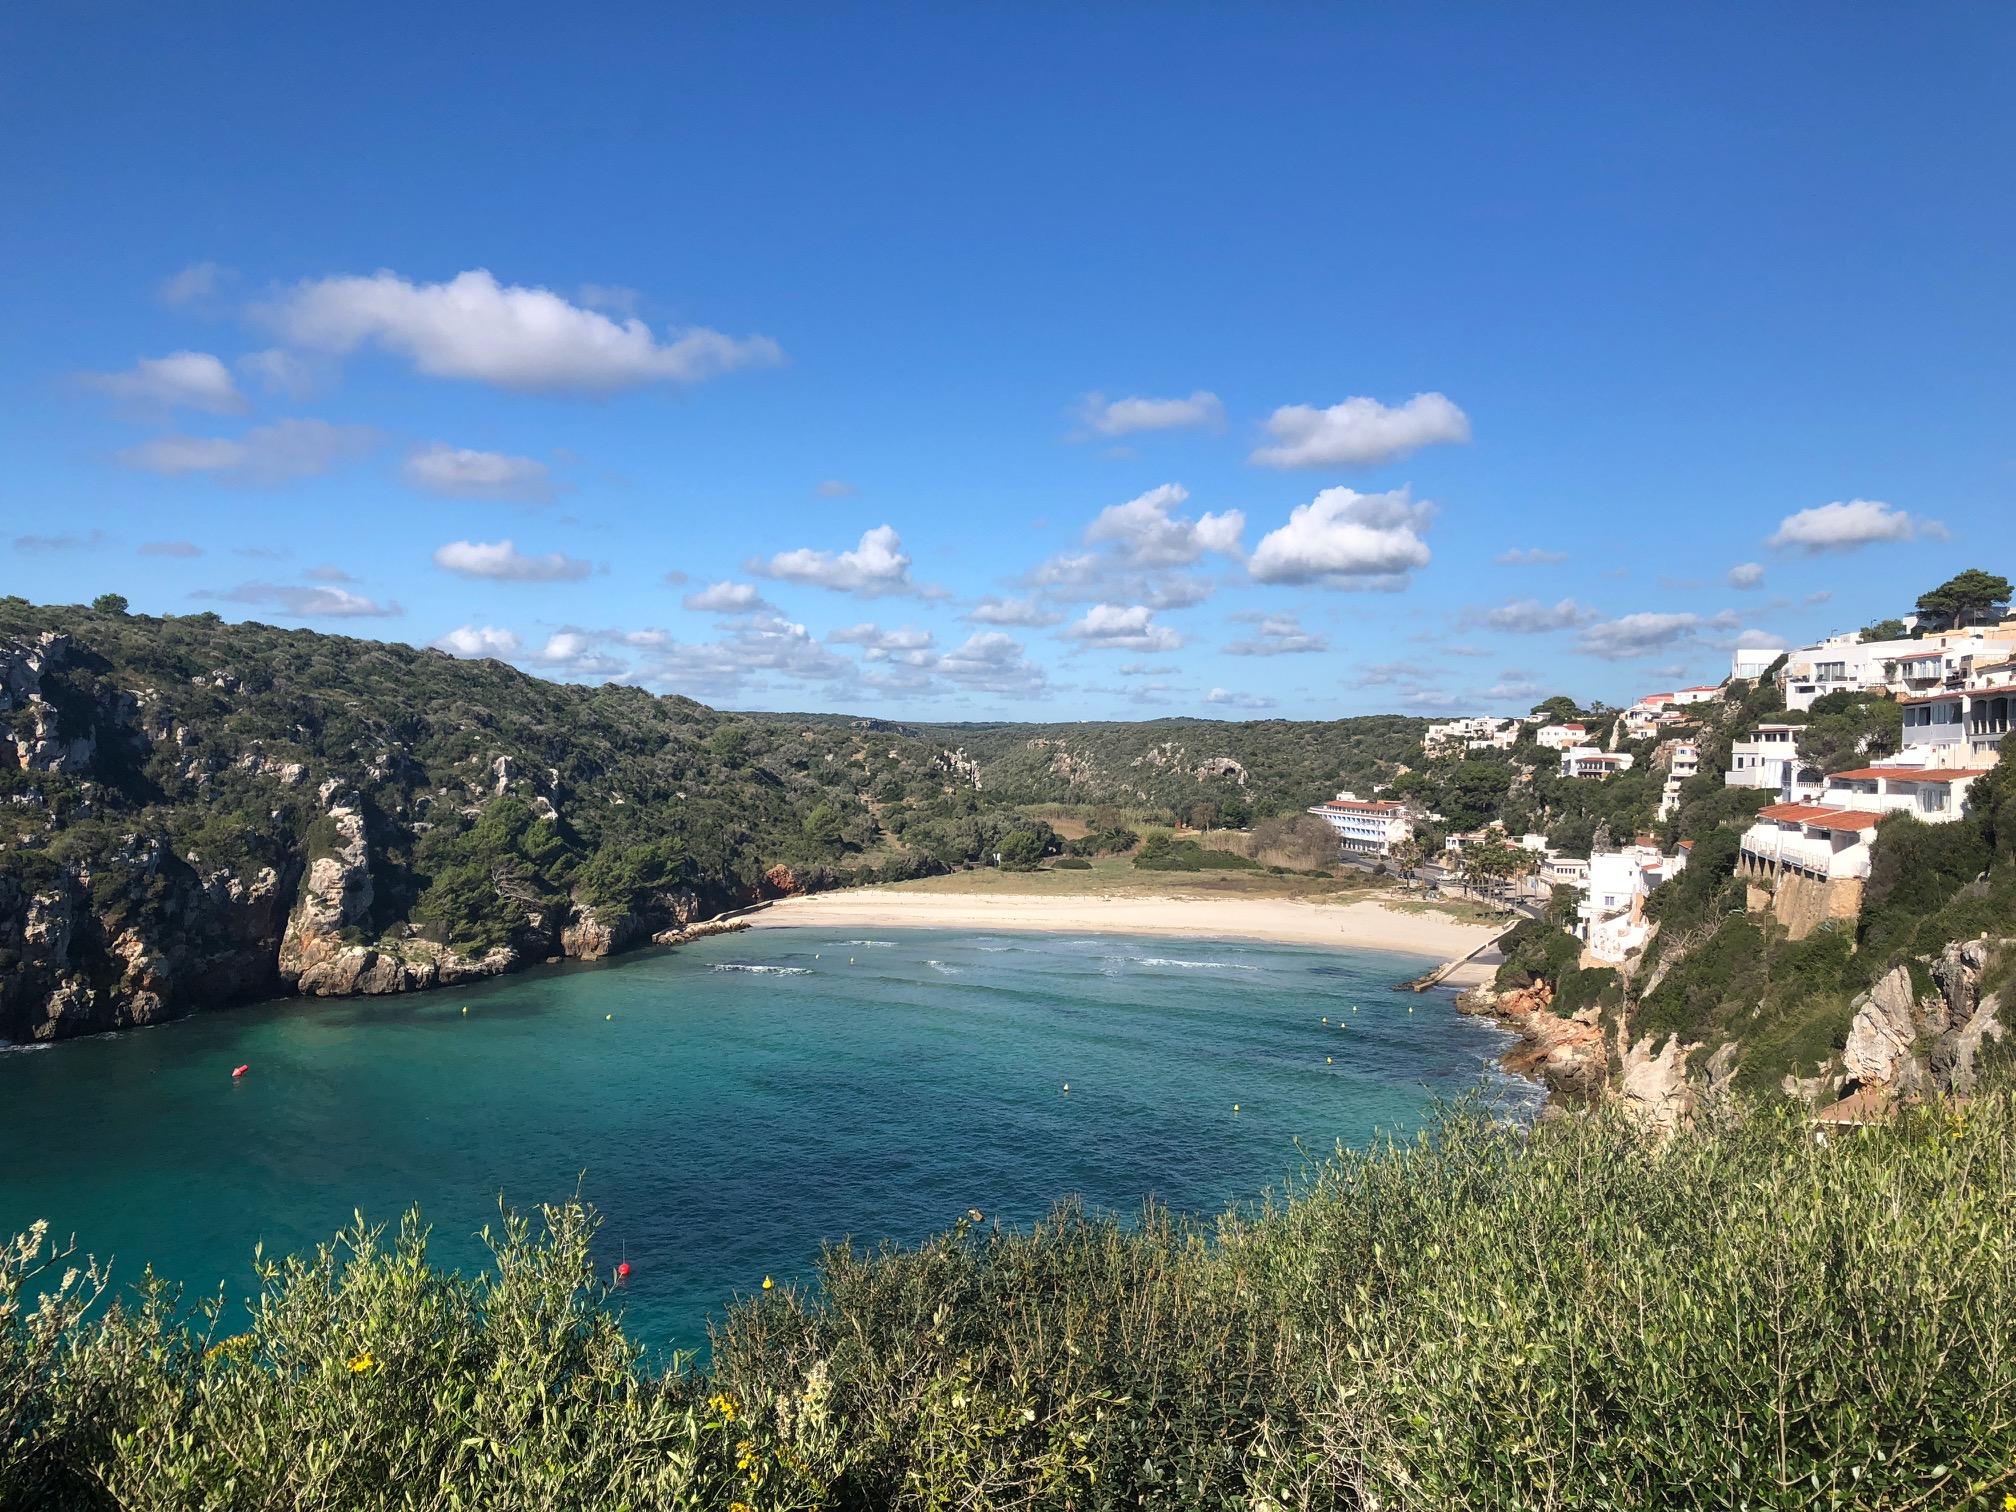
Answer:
(1749, 1316)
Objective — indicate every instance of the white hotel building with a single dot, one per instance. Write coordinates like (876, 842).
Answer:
(1767, 758)
(1367, 826)
(1907, 668)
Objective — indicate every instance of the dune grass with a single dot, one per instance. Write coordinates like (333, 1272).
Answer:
(1749, 1316)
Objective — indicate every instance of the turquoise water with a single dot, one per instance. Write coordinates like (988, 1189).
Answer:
(725, 1121)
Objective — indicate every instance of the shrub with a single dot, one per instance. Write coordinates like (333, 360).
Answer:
(1570, 1316)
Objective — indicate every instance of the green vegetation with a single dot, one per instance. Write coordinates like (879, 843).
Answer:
(1884, 630)
(1965, 598)
(1162, 851)
(1569, 1317)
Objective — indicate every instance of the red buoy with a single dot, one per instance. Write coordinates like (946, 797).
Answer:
(239, 1071)
(622, 1270)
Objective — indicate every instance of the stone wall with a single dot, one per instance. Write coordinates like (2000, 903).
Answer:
(1799, 902)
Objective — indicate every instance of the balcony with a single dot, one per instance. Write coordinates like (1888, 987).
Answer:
(1807, 853)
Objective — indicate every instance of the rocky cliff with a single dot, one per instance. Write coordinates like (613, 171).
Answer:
(194, 814)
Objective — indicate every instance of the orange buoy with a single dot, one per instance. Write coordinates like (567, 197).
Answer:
(239, 1071)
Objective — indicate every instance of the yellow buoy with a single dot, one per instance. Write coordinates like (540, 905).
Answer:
(768, 1283)
(1067, 1086)
(1326, 1018)
(1235, 1107)
(609, 1015)
(1329, 1060)
(465, 1007)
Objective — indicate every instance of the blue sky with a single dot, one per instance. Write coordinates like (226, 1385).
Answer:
(1017, 361)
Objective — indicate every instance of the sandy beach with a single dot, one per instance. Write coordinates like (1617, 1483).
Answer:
(1364, 925)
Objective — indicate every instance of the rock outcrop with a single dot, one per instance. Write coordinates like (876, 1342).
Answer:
(1564, 1053)
(1904, 1042)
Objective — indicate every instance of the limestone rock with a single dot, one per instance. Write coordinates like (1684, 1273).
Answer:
(1884, 1029)
(1653, 1089)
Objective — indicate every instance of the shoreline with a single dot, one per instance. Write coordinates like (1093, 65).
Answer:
(1364, 925)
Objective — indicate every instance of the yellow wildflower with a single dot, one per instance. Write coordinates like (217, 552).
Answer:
(361, 1363)
(723, 1406)
(740, 1506)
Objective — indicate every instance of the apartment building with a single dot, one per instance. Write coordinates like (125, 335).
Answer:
(1610, 921)
(1682, 760)
(1768, 757)
(1559, 737)
(1904, 668)
(1367, 826)
(1479, 732)
(1592, 761)
(1962, 726)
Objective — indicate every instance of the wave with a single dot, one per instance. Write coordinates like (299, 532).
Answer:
(1192, 965)
(941, 966)
(765, 970)
(886, 944)
(24, 1049)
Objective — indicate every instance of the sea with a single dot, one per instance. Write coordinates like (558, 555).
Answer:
(730, 1106)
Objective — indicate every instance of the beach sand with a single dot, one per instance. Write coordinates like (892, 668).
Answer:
(1363, 925)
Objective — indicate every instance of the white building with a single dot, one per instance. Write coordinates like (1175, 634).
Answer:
(1703, 693)
(1767, 758)
(1751, 662)
(1611, 919)
(1683, 760)
(1905, 668)
(1367, 826)
(1479, 732)
(1831, 836)
(1559, 737)
(1593, 761)
(1962, 727)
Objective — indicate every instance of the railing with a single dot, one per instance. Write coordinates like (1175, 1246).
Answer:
(1806, 853)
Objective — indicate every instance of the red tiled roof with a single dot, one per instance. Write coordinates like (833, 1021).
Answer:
(1794, 813)
(1846, 819)
(1820, 816)
(1925, 698)
(1912, 774)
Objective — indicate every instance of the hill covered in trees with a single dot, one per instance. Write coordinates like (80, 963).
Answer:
(194, 812)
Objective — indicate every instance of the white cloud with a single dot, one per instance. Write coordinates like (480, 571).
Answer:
(833, 488)
(1145, 669)
(479, 640)
(302, 603)
(197, 284)
(1530, 556)
(759, 649)
(456, 472)
(1143, 533)
(1642, 634)
(503, 561)
(67, 541)
(726, 598)
(1845, 526)
(1342, 535)
(1359, 432)
(1531, 617)
(1386, 674)
(170, 549)
(279, 371)
(905, 643)
(1111, 627)
(529, 340)
(991, 662)
(875, 568)
(994, 610)
(575, 653)
(265, 454)
(1277, 635)
(1746, 575)
(1238, 700)
(1757, 640)
(328, 573)
(181, 380)
(1128, 417)
(1513, 685)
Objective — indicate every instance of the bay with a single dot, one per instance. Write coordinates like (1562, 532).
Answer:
(728, 1106)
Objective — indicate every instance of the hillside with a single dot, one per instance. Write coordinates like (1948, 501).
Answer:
(197, 812)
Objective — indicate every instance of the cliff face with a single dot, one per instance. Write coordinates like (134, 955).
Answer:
(194, 814)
